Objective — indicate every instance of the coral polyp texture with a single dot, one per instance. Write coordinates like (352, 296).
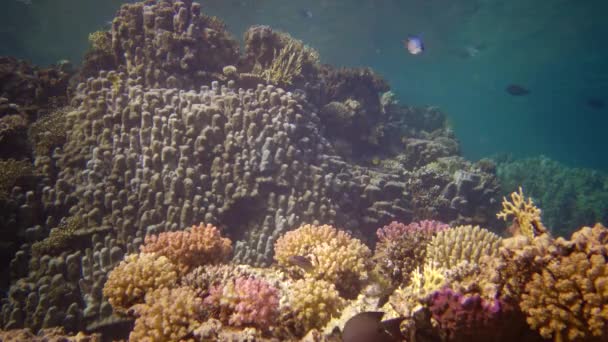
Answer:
(245, 301)
(200, 245)
(137, 275)
(464, 243)
(334, 255)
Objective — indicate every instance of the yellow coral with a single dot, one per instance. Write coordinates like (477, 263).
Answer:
(527, 215)
(286, 65)
(568, 300)
(137, 275)
(101, 41)
(422, 283)
(464, 243)
(313, 302)
(168, 315)
(334, 254)
(59, 237)
(49, 131)
(10, 171)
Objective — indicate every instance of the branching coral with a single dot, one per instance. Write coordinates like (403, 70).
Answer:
(167, 315)
(135, 276)
(458, 314)
(336, 256)
(402, 247)
(188, 249)
(245, 301)
(464, 243)
(526, 215)
(423, 282)
(568, 299)
(313, 303)
(286, 65)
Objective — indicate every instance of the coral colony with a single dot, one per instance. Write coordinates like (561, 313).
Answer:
(183, 190)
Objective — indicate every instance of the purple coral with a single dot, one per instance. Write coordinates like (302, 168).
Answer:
(461, 314)
(245, 301)
(395, 230)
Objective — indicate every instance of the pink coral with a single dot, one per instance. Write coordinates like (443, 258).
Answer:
(395, 230)
(198, 246)
(245, 301)
(459, 314)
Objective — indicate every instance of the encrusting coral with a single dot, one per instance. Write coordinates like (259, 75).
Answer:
(202, 244)
(135, 276)
(464, 243)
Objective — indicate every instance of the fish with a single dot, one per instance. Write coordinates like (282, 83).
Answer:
(301, 261)
(305, 13)
(414, 45)
(368, 327)
(596, 103)
(516, 90)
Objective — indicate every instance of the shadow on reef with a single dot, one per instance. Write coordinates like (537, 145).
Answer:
(167, 124)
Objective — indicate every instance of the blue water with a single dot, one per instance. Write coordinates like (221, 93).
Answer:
(474, 49)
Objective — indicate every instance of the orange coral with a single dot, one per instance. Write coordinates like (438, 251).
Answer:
(198, 246)
(527, 215)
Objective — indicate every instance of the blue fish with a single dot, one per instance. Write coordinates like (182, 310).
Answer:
(414, 45)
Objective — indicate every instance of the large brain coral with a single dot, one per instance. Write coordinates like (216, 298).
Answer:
(336, 256)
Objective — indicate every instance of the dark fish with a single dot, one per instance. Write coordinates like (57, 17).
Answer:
(301, 261)
(596, 103)
(368, 327)
(517, 90)
(305, 13)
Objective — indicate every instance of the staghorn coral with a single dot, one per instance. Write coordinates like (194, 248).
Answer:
(188, 249)
(312, 303)
(245, 301)
(526, 215)
(402, 247)
(286, 66)
(463, 243)
(168, 314)
(136, 276)
(336, 256)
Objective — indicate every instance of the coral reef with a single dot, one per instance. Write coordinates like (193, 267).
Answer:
(135, 276)
(570, 197)
(312, 303)
(188, 249)
(526, 215)
(464, 243)
(245, 301)
(334, 255)
(173, 127)
(402, 248)
(168, 314)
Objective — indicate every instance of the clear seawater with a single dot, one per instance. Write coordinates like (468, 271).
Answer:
(474, 49)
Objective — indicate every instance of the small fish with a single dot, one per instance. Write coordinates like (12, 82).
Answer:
(368, 327)
(516, 90)
(414, 45)
(301, 261)
(596, 103)
(305, 13)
